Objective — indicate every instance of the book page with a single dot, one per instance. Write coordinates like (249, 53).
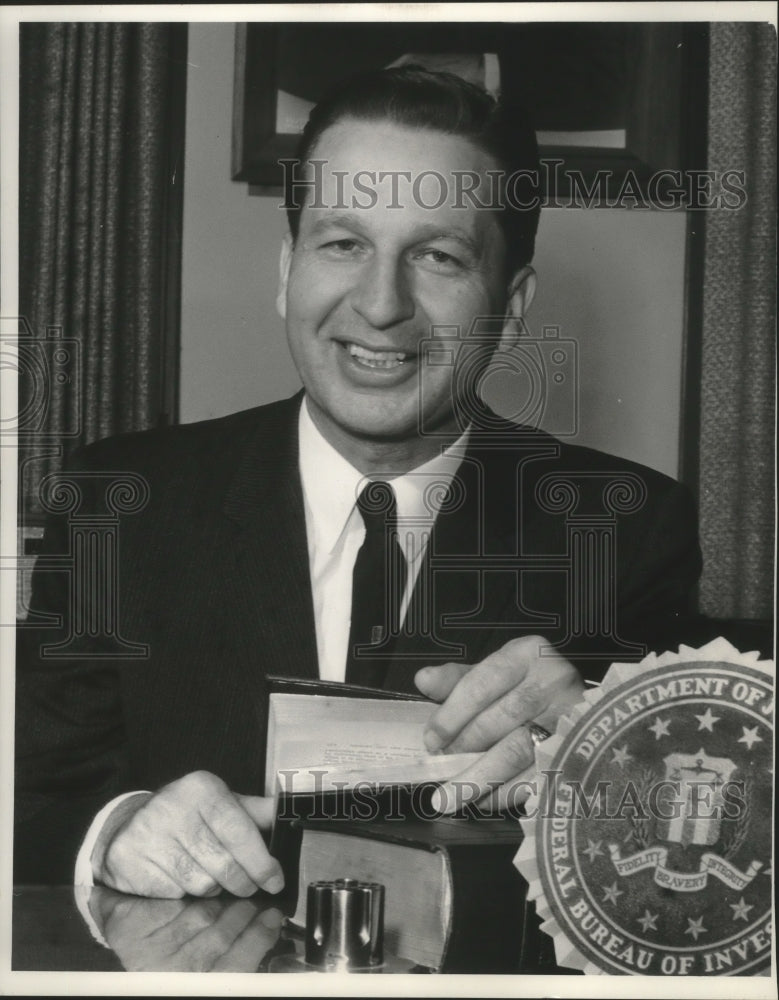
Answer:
(313, 729)
(319, 777)
(356, 742)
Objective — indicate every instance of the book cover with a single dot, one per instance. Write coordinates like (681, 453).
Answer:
(453, 901)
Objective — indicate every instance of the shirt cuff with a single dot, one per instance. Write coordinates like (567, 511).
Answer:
(81, 894)
(83, 874)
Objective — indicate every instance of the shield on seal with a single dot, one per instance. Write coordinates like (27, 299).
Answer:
(697, 803)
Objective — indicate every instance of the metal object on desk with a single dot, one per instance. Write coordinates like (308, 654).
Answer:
(345, 925)
(344, 931)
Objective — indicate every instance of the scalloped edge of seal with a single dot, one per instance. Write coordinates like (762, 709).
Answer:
(525, 860)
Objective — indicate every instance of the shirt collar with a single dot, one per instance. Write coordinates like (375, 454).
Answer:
(331, 485)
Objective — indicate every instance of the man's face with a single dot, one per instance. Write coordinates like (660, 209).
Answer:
(363, 286)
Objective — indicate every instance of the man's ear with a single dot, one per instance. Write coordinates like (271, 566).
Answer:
(521, 292)
(285, 259)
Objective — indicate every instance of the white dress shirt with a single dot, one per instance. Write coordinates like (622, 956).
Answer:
(335, 529)
(335, 532)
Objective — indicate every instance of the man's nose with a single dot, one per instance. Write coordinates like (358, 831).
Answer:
(382, 295)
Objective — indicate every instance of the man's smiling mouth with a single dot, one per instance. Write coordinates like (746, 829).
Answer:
(377, 359)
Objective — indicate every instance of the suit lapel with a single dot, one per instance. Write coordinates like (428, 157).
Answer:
(271, 587)
(468, 602)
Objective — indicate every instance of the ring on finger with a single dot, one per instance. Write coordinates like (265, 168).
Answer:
(537, 733)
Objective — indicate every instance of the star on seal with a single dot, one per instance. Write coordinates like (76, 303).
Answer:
(611, 892)
(707, 720)
(621, 756)
(648, 921)
(660, 727)
(750, 737)
(593, 848)
(695, 927)
(740, 909)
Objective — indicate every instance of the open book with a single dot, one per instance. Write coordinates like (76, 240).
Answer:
(339, 752)
(318, 742)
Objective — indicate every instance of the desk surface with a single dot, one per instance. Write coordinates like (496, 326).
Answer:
(224, 934)
(53, 932)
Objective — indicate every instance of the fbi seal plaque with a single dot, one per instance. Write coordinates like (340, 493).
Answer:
(648, 842)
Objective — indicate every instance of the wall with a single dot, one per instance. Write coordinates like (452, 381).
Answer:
(612, 280)
(233, 351)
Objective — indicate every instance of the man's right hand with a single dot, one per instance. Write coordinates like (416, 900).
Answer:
(193, 837)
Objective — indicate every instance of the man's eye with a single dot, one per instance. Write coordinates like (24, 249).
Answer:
(440, 259)
(341, 246)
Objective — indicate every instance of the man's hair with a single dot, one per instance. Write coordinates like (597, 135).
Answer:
(418, 98)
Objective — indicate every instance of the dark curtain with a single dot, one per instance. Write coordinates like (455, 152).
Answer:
(100, 168)
(738, 359)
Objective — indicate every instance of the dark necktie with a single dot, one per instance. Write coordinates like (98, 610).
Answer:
(378, 585)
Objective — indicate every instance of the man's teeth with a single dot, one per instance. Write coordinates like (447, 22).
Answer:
(377, 359)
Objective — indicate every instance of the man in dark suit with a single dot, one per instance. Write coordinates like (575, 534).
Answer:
(526, 564)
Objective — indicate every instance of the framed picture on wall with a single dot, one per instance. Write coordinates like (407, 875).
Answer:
(615, 97)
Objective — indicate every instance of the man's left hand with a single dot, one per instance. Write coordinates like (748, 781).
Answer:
(487, 707)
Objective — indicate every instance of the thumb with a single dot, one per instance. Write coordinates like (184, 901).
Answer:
(260, 808)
